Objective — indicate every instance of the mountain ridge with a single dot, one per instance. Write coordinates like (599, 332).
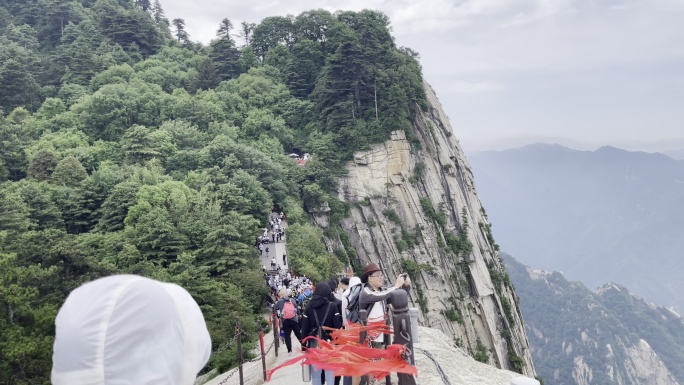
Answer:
(602, 215)
(608, 336)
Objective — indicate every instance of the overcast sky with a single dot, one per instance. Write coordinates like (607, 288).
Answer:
(582, 73)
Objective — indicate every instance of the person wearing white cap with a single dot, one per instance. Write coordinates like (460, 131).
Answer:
(127, 329)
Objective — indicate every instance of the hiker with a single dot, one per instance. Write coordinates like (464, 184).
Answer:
(286, 309)
(155, 334)
(284, 259)
(351, 291)
(320, 312)
(273, 261)
(333, 283)
(373, 296)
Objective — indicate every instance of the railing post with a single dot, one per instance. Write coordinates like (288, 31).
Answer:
(276, 334)
(413, 313)
(386, 341)
(363, 317)
(238, 332)
(263, 352)
(402, 331)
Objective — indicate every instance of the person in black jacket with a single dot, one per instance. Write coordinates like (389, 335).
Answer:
(321, 312)
(334, 283)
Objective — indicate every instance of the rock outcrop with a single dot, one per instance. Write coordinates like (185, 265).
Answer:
(414, 208)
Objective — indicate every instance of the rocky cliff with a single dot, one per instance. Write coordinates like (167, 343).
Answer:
(414, 208)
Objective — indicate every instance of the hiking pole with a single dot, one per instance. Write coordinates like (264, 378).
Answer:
(263, 353)
(239, 349)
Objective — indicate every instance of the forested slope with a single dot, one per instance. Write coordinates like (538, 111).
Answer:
(127, 148)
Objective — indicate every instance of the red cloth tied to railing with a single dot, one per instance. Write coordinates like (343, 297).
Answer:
(345, 356)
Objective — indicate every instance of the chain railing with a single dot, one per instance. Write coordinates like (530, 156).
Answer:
(237, 338)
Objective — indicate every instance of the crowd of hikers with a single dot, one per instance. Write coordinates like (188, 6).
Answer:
(304, 309)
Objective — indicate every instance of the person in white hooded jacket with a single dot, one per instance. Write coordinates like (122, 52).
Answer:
(353, 281)
(129, 330)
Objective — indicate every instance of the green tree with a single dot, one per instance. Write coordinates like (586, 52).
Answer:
(145, 5)
(181, 35)
(246, 31)
(308, 255)
(158, 14)
(224, 28)
(26, 321)
(303, 70)
(18, 86)
(14, 212)
(271, 32)
(248, 59)
(43, 212)
(42, 165)
(131, 28)
(69, 172)
(226, 57)
(138, 146)
(206, 76)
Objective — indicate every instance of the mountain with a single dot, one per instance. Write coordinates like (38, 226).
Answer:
(605, 337)
(675, 154)
(413, 208)
(598, 216)
(125, 149)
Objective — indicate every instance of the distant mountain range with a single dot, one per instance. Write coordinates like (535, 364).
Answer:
(676, 154)
(598, 216)
(610, 336)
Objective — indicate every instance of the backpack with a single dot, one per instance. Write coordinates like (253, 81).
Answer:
(289, 310)
(353, 303)
(318, 330)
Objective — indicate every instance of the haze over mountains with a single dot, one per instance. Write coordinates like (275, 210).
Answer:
(600, 216)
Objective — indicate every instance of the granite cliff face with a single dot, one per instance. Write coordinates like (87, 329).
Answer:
(414, 208)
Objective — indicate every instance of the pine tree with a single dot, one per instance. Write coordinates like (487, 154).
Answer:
(145, 5)
(13, 211)
(18, 87)
(246, 30)
(181, 34)
(158, 13)
(226, 58)
(206, 77)
(224, 28)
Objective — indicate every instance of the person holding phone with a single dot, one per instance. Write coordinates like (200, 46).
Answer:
(373, 296)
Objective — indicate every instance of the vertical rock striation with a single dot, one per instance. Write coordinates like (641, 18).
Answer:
(414, 208)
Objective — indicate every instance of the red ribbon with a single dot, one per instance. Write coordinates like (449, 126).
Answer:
(345, 356)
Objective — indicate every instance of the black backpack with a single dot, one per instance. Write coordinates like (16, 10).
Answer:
(318, 330)
(353, 300)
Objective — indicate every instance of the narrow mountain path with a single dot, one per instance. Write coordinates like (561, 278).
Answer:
(253, 370)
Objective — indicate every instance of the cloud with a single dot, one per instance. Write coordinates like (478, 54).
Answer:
(576, 68)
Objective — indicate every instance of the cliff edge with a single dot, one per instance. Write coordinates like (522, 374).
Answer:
(414, 208)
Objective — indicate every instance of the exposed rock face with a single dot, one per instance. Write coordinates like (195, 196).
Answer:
(415, 209)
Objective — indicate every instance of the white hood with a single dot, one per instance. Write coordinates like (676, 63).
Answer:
(129, 330)
(353, 281)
